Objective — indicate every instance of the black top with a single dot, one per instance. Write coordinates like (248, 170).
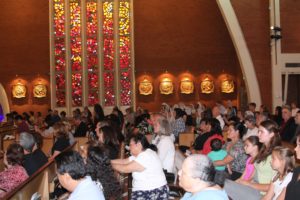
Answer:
(81, 130)
(34, 161)
(60, 144)
(293, 188)
(201, 139)
(288, 130)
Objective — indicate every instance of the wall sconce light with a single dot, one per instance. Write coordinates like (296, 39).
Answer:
(145, 87)
(39, 91)
(276, 34)
(19, 90)
(227, 86)
(166, 86)
(207, 86)
(276, 37)
(275, 28)
(186, 86)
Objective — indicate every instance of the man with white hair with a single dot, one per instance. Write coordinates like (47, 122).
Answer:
(216, 114)
(196, 177)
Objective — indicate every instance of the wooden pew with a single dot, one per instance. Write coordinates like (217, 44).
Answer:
(186, 139)
(80, 141)
(47, 145)
(39, 182)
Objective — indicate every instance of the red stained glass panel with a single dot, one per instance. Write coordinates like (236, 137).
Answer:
(125, 88)
(76, 89)
(93, 97)
(109, 96)
(60, 98)
(60, 81)
(108, 54)
(59, 20)
(91, 17)
(108, 18)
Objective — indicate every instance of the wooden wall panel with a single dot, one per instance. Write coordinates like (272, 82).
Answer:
(24, 48)
(177, 36)
(253, 17)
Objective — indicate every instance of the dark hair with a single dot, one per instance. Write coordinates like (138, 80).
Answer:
(178, 113)
(215, 126)
(63, 113)
(252, 104)
(99, 168)
(142, 139)
(265, 151)
(99, 114)
(254, 140)
(109, 135)
(38, 138)
(14, 154)
(72, 163)
(216, 144)
(238, 126)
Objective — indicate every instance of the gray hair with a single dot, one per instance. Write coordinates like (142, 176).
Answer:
(164, 125)
(202, 167)
(27, 141)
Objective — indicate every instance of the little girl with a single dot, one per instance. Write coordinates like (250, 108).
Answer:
(283, 162)
(252, 147)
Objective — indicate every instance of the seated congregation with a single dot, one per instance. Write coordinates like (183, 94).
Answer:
(182, 152)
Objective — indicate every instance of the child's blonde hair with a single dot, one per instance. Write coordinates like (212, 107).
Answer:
(288, 156)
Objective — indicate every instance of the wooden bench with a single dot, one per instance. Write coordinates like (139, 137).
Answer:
(80, 141)
(186, 139)
(39, 182)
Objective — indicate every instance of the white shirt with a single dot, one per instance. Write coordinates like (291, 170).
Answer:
(87, 189)
(152, 176)
(221, 120)
(280, 185)
(251, 132)
(166, 152)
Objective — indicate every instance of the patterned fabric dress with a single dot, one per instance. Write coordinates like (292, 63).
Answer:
(11, 178)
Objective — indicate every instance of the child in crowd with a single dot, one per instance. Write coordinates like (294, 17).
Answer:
(283, 162)
(218, 153)
(252, 147)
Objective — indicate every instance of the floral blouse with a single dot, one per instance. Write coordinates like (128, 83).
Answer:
(11, 178)
(239, 156)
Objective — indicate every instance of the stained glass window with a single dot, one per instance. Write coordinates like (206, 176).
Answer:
(92, 52)
(92, 55)
(59, 52)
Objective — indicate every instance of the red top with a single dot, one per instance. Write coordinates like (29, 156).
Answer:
(206, 147)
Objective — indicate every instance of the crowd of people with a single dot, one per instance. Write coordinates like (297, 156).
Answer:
(236, 154)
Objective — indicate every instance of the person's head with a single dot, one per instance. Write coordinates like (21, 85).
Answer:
(178, 113)
(216, 144)
(268, 131)
(278, 111)
(236, 130)
(60, 130)
(14, 155)
(70, 169)
(27, 142)
(293, 105)
(261, 116)
(283, 160)
(99, 168)
(252, 145)
(107, 135)
(197, 173)
(252, 106)
(250, 121)
(215, 111)
(19, 118)
(286, 112)
(138, 143)
(205, 125)
(50, 112)
(77, 119)
(297, 148)
(48, 122)
(268, 134)
(98, 112)
(63, 114)
(297, 118)
(160, 124)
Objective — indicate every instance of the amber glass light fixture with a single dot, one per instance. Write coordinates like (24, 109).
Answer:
(145, 87)
(186, 85)
(166, 86)
(227, 86)
(207, 86)
(19, 90)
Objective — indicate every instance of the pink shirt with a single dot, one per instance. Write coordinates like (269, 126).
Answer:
(249, 169)
(11, 178)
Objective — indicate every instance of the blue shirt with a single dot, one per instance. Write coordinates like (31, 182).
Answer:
(206, 195)
(87, 189)
(218, 155)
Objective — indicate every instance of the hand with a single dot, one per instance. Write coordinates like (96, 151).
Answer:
(243, 182)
